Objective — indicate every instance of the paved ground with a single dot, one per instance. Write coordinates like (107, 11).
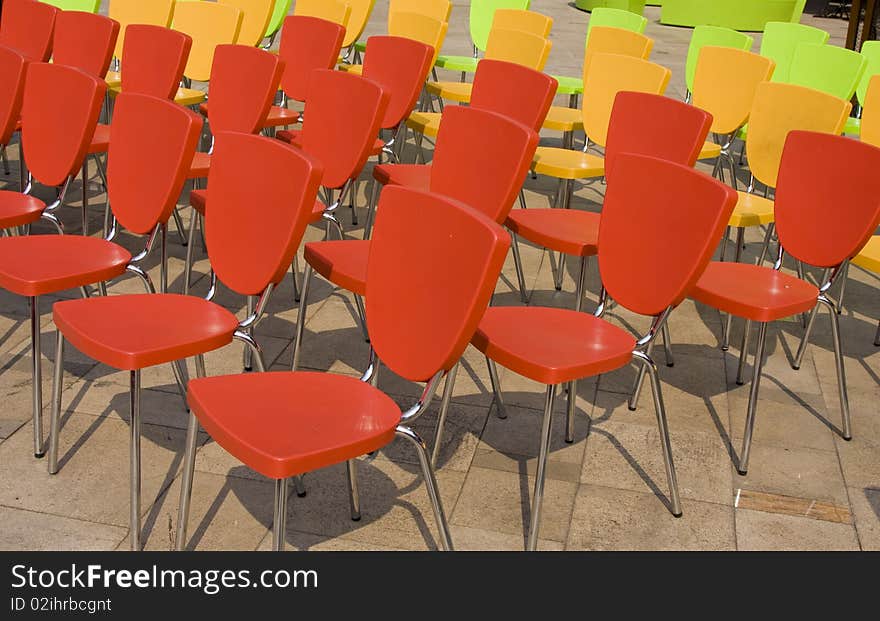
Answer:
(806, 489)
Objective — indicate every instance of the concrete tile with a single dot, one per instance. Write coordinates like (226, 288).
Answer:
(32, 531)
(756, 530)
(866, 511)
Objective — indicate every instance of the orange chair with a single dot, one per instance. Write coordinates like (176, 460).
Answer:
(487, 179)
(763, 294)
(153, 60)
(660, 225)
(27, 27)
(313, 420)
(12, 72)
(640, 123)
(307, 43)
(56, 140)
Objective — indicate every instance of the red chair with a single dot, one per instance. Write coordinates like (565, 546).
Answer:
(55, 139)
(762, 294)
(511, 90)
(250, 260)
(313, 420)
(27, 27)
(486, 179)
(640, 123)
(86, 41)
(12, 71)
(660, 225)
(307, 43)
(153, 60)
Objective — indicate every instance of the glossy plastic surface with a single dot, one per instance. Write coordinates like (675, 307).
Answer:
(481, 14)
(435, 9)
(421, 28)
(870, 127)
(516, 46)
(714, 36)
(154, 60)
(527, 21)
(255, 19)
(244, 81)
(307, 43)
(27, 27)
(330, 10)
(85, 41)
(780, 40)
(827, 68)
(12, 72)
(514, 91)
(209, 24)
(279, 12)
(399, 66)
(616, 18)
(128, 12)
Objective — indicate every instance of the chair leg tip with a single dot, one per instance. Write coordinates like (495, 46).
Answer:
(848, 438)
(631, 408)
(558, 288)
(248, 369)
(355, 519)
(670, 364)
(725, 348)
(677, 515)
(40, 455)
(740, 383)
(742, 472)
(303, 494)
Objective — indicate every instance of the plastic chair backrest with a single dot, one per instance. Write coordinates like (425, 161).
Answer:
(334, 132)
(715, 36)
(147, 127)
(661, 223)
(244, 81)
(89, 6)
(153, 60)
(338, 12)
(616, 18)
(724, 85)
(827, 68)
(128, 12)
(781, 108)
(870, 128)
(27, 27)
(307, 43)
(798, 10)
(209, 24)
(780, 40)
(522, 94)
(419, 28)
(425, 244)
(85, 41)
(481, 14)
(254, 21)
(487, 177)
(399, 66)
(657, 126)
(357, 20)
(528, 21)
(608, 40)
(516, 46)
(255, 181)
(609, 74)
(12, 71)
(819, 220)
(279, 12)
(56, 137)
(435, 9)
(871, 52)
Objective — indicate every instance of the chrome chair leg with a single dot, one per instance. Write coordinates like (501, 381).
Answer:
(448, 389)
(728, 324)
(354, 498)
(301, 317)
(135, 461)
(177, 370)
(570, 412)
(332, 222)
(520, 276)
(178, 222)
(279, 523)
(362, 316)
(841, 373)
(500, 410)
(581, 285)
(247, 354)
(743, 466)
(353, 204)
(55, 419)
(805, 340)
(640, 379)
(37, 377)
(371, 209)
(5, 159)
(800, 273)
(768, 236)
(843, 278)
(431, 483)
(743, 352)
(877, 336)
(559, 272)
(667, 346)
(85, 196)
(188, 470)
(299, 485)
(522, 199)
(294, 272)
(538, 496)
(254, 347)
(724, 243)
(190, 246)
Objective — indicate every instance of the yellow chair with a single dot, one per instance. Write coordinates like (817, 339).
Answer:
(414, 26)
(154, 13)
(602, 40)
(331, 10)
(255, 19)
(870, 130)
(608, 75)
(436, 9)
(527, 21)
(724, 85)
(209, 24)
(515, 46)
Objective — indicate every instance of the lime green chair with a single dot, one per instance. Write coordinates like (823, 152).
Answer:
(601, 16)
(827, 68)
(89, 6)
(716, 36)
(780, 41)
(282, 8)
(635, 6)
(482, 12)
(871, 52)
(798, 11)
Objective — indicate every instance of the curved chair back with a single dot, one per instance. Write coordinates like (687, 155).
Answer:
(279, 12)
(780, 40)
(827, 68)
(85, 41)
(399, 66)
(616, 18)
(254, 21)
(715, 36)
(481, 14)
(56, 137)
(516, 46)
(870, 129)
(609, 40)
(804, 200)
(435, 9)
(246, 254)
(27, 27)
(89, 6)
(871, 52)
(307, 43)
(244, 81)
(419, 238)
(128, 12)
(661, 223)
(487, 178)
(153, 60)
(781, 108)
(527, 21)
(419, 27)
(209, 24)
(724, 85)
(148, 127)
(357, 21)
(522, 94)
(610, 74)
(336, 11)
(12, 71)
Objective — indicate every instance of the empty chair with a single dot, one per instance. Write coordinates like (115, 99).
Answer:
(27, 27)
(129, 12)
(780, 41)
(616, 18)
(255, 16)
(827, 68)
(13, 66)
(85, 41)
(279, 12)
(336, 11)
(436, 10)
(153, 61)
(415, 26)
(527, 21)
(711, 36)
(89, 6)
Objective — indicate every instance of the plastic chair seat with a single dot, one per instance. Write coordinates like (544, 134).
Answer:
(751, 210)
(290, 136)
(570, 231)
(567, 164)
(101, 139)
(563, 119)
(569, 85)
(710, 150)
(344, 263)
(452, 91)
(869, 257)
(282, 424)
(755, 292)
(355, 69)
(197, 200)
(201, 165)
(17, 209)
(189, 97)
(468, 64)
(41, 264)
(552, 345)
(279, 116)
(113, 79)
(853, 127)
(131, 332)
(427, 123)
(417, 176)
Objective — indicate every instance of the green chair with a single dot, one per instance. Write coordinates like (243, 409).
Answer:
(716, 36)
(601, 16)
(481, 14)
(282, 8)
(635, 6)
(781, 39)
(871, 52)
(827, 68)
(799, 7)
(89, 6)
